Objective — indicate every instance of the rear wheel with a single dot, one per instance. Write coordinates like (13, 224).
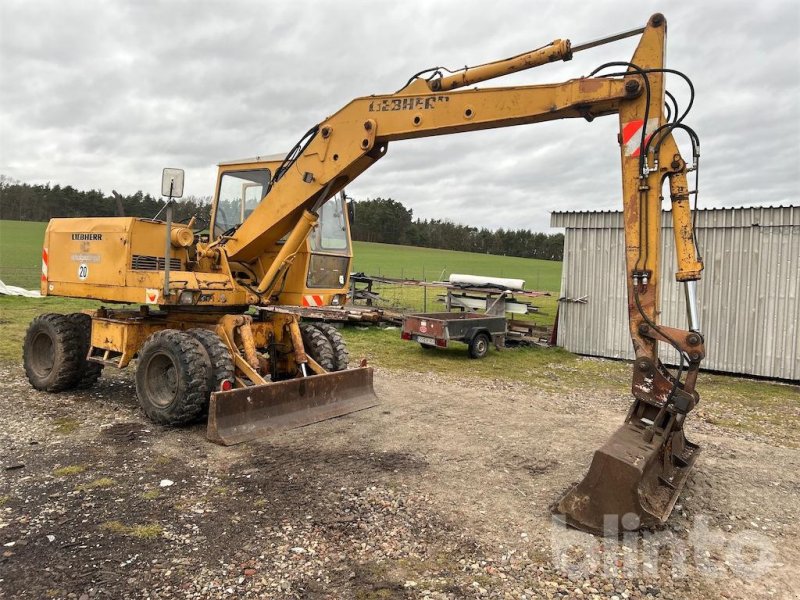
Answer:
(172, 377)
(479, 346)
(88, 371)
(427, 346)
(52, 353)
(317, 346)
(219, 355)
(341, 357)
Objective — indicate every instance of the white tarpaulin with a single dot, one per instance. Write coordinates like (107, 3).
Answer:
(479, 281)
(11, 290)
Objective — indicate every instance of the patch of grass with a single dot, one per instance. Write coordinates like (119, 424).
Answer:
(751, 406)
(220, 490)
(375, 582)
(97, 484)
(66, 425)
(17, 313)
(433, 264)
(147, 532)
(114, 527)
(69, 470)
(183, 505)
(21, 252)
(151, 494)
(4, 499)
(143, 532)
(549, 368)
(156, 462)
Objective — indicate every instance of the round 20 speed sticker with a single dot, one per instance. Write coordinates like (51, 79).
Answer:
(83, 271)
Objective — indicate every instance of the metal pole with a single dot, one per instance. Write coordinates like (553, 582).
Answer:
(607, 39)
(167, 249)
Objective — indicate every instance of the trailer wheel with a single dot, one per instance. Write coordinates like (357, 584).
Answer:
(51, 353)
(479, 346)
(88, 371)
(341, 357)
(317, 346)
(219, 355)
(172, 377)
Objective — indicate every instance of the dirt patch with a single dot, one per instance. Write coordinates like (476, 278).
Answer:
(440, 494)
(125, 434)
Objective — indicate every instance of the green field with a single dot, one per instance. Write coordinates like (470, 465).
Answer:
(21, 247)
(21, 253)
(431, 265)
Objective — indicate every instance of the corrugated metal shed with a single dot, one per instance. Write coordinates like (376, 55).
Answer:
(749, 296)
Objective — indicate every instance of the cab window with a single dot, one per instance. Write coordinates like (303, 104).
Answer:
(330, 234)
(240, 192)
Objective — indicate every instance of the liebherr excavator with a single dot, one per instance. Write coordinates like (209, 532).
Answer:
(200, 347)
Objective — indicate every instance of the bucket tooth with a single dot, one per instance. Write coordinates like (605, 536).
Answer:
(249, 413)
(631, 483)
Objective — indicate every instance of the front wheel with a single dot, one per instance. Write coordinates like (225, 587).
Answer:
(479, 346)
(51, 353)
(317, 346)
(172, 381)
(341, 357)
(88, 371)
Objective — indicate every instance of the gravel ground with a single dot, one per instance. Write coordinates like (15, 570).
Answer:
(442, 491)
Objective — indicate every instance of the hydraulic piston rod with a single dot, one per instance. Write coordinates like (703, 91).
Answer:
(690, 291)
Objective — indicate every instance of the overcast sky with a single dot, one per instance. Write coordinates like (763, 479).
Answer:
(104, 94)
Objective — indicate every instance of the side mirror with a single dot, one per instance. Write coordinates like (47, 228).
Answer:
(172, 183)
(351, 212)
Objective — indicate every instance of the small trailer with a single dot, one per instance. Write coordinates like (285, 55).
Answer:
(437, 330)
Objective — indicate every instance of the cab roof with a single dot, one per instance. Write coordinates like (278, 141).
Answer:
(254, 159)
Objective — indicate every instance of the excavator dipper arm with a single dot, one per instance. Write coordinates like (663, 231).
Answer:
(636, 477)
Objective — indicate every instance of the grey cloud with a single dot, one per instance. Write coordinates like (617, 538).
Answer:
(103, 95)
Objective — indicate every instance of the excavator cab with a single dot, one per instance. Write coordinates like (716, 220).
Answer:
(320, 271)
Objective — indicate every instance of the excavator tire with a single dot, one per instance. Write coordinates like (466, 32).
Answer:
(222, 368)
(52, 353)
(340, 355)
(172, 377)
(317, 346)
(88, 371)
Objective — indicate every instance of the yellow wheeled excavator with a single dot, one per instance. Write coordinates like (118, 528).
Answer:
(202, 343)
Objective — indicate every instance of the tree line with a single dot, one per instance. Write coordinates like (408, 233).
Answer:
(387, 221)
(42, 202)
(377, 220)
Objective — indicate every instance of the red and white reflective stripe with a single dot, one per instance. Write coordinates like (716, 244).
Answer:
(632, 135)
(44, 264)
(309, 300)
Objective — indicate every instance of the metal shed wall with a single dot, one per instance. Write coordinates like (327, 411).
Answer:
(749, 297)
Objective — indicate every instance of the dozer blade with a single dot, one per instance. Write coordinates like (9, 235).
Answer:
(244, 414)
(631, 483)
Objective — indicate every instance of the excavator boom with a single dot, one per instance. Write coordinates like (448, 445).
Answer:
(636, 477)
(196, 343)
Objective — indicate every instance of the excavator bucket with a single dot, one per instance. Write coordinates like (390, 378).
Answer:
(244, 414)
(631, 484)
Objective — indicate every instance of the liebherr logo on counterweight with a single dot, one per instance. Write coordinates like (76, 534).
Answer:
(87, 237)
(411, 103)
